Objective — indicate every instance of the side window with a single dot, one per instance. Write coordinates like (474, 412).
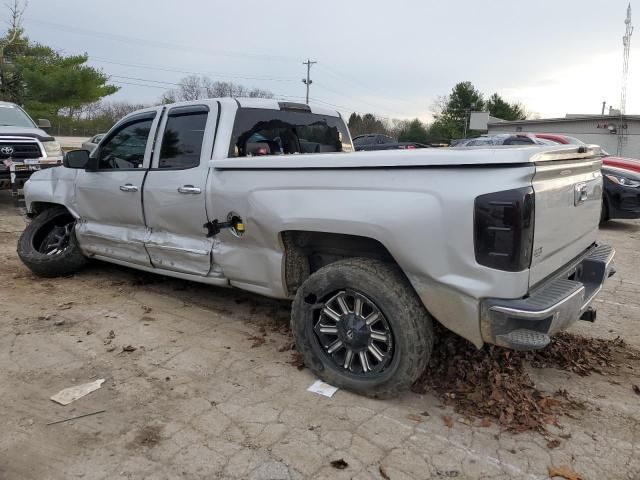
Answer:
(125, 148)
(182, 139)
(259, 132)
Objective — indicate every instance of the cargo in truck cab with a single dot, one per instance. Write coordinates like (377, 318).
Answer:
(498, 244)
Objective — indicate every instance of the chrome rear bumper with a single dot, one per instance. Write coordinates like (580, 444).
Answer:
(527, 323)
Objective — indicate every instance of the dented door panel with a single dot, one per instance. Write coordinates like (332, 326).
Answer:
(109, 201)
(174, 192)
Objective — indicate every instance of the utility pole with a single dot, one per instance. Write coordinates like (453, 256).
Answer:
(307, 81)
(626, 42)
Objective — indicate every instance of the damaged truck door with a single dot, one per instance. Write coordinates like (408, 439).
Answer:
(109, 192)
(174, 191)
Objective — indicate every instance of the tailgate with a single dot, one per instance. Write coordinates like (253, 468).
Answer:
(568, 196)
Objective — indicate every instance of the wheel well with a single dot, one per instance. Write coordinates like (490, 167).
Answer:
(38, 207)
(307, 252)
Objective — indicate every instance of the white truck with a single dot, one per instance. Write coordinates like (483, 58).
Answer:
(497, 244)
(24, 147)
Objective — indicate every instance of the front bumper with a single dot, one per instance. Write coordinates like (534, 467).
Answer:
(527, 323)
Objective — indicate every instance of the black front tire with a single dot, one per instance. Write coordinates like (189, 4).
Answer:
(61, 262)
(388, 289)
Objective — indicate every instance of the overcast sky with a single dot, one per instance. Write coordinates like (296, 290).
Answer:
(390, 58)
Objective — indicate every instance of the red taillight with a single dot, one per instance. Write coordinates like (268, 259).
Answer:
(261, 151)
(411, 146)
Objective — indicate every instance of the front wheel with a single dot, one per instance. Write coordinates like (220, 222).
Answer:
(360, 326)
(48, 245)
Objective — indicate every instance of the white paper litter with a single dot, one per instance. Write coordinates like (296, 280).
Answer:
(68, 395)
(322, 388)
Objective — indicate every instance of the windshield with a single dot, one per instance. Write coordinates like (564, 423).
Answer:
(14, 116)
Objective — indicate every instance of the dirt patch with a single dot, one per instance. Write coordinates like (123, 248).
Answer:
(149, 436)
(493, 383)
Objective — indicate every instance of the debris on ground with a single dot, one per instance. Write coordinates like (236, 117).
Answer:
(414, 417)
(68, 395)
(636, 389)
(448, 421)
(129, 348)
(146, 308)
(564, 472)
(75, 418)
(322, 388)
(297, 360)
(383, 473)
(257, 340)
(65, 305)
(492, 383)
(58, 323)
(339, 464)
(149, 436)
(110, 336)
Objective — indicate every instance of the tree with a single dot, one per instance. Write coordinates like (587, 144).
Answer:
(43, 80)
(367, 123)
(500, 108)
(414, 131)
(195, 87)
(452, 112)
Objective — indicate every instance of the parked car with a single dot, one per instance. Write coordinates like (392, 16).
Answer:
(24, 146)
(621, 185)
(377, 141)
(370, 246)
(500, 139)
(91, 144)
(621, 197)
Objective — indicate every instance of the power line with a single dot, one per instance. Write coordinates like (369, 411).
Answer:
(187, 72)
(154, 43)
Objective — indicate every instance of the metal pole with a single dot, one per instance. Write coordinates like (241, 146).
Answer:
(307, 81)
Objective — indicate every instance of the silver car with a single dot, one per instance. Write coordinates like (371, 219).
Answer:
(93, 142)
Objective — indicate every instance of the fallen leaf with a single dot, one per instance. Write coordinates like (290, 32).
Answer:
(339, 464)
(636, 389)
(555, 443)
(65, 306)
(564, 472)
(383, 473)
(485, 422)
(257, 341)
(414, 417)
(129, 348)
(448, 421)
(425, 414)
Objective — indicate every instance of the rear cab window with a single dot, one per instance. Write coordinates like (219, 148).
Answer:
(182, 137)
(260, 132)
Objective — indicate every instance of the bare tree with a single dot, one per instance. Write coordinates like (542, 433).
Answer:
(195, 87)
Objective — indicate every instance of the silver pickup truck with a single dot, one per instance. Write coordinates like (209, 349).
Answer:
(497, 244)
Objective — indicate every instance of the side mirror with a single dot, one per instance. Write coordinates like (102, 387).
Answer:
(44, 123)
(76, 159)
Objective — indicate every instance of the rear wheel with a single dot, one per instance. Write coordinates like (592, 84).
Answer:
(48, 244)
(360, 326)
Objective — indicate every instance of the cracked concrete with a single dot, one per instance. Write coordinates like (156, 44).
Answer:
(195, 400)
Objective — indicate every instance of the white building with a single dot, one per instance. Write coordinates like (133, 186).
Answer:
(604, 130)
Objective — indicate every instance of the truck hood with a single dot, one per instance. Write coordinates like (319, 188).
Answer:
(425, 157)
(11, 131)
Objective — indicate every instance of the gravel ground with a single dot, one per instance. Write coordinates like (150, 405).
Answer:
(209, 389)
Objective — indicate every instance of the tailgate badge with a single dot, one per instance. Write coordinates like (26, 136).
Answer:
(580, 194)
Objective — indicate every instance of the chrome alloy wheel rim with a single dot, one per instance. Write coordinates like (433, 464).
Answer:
(354, 334)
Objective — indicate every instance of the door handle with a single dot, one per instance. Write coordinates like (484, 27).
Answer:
(189, 189)
(127, 187)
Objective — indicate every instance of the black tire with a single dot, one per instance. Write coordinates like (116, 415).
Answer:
(388, 289)
(61, 262)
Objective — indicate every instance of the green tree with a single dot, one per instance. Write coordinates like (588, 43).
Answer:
(414, 131)
(500, 108)
(452, 112)
(45, 81)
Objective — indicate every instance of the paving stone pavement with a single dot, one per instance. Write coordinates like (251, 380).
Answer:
(201, 398)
